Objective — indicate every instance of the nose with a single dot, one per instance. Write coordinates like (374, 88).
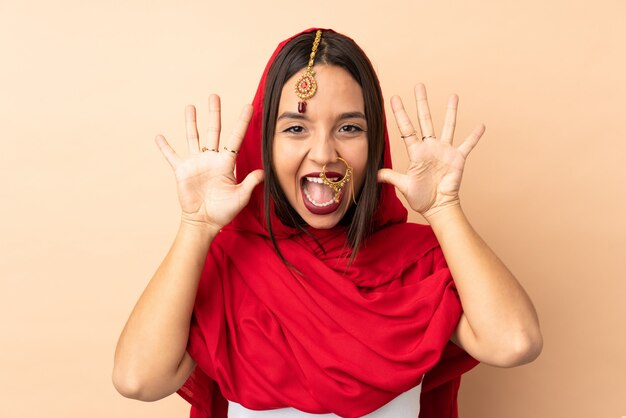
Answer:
(323, 150)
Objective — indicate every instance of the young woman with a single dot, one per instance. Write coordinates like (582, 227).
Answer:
(311, 294)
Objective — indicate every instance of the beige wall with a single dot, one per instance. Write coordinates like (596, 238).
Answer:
(89, 205)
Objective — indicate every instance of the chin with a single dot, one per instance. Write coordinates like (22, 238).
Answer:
(322, 221)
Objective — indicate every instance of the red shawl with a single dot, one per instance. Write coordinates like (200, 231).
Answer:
(337, 338)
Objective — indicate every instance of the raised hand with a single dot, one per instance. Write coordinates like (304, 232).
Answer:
(433, 178)
(207, 189)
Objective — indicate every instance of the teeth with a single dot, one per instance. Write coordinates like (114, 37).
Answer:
(319, 205)
(319, 180)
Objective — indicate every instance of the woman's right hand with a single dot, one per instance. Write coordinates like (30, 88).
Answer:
(207, 188)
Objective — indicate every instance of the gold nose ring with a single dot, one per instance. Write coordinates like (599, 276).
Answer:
(337, 185)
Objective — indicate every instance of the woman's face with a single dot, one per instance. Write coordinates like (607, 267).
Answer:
(333, 126)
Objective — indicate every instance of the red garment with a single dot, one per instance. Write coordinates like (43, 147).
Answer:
(336, 339)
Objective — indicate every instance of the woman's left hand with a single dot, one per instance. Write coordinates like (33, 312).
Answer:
(433, 178)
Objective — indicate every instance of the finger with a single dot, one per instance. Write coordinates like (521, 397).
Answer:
(167, 151)
(192, 130)
(403, 121)
(449, 123)
(215, 122)
(252, 180)
(241, 126)
(470, 142)
(387, 175)
(423, 112)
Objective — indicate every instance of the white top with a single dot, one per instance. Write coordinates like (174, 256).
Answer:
(405, 405)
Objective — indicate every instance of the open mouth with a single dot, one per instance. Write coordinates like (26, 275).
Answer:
(318, 197)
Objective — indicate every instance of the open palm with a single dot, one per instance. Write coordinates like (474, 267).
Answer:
(433, 178)
(207, 188)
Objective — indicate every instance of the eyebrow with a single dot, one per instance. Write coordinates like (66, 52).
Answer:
(300, 116)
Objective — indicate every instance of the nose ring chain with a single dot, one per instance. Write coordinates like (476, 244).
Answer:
(337, 185)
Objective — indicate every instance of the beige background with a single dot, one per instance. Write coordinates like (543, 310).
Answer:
(89, 205)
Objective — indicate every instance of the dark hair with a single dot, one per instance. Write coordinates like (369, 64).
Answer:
(334, 49)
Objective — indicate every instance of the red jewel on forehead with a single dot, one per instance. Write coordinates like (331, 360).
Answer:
(305, 88)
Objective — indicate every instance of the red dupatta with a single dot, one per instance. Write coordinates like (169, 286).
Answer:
(337, 338)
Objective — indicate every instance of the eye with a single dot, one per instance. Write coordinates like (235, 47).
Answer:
(296, 129)
(351, 129)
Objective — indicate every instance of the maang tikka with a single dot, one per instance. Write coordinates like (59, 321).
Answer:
(306, 86)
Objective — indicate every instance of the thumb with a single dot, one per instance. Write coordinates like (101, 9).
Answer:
(387, 175)
(167, 151)
(252, 180)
